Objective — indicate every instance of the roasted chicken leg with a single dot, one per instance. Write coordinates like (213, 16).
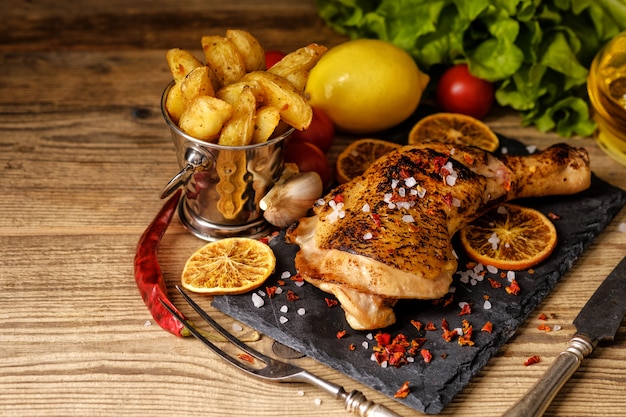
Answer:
(386, 235)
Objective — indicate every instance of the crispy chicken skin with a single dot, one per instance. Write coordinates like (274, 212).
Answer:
(386, 235)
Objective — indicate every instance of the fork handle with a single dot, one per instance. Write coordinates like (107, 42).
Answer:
(356, 403)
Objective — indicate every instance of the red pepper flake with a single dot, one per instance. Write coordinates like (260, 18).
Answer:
(544, 328)
(338, 198)
(466, 309)
(341, 334)
(297, 278)
(439, 162)
(514, 288)
(245, 357)
(507, 185)
(466, 338)
(292, 296)
(376, 218)
(271, 291)
(280, 282)
(532, 360)
(426, 355)
(553, 216)
(265, 240)
(352, 346)
(487, 327)
(417, 324)
(383, 339)
(431, 326)
(404, 173)
(494, 283)
(330, 302)
(448, 199)
(403, 391)
(448, 334)
(542, 316)
(531, 271)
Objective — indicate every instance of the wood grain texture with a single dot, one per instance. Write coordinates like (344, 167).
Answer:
(84, 152)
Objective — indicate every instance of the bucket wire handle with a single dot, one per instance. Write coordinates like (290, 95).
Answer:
(196, 159)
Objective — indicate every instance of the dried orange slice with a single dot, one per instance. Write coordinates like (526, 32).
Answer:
(229, 266)
(510, 237)
(359, 155)
(455, 128)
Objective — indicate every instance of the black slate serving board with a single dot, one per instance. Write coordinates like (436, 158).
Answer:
(313, 331)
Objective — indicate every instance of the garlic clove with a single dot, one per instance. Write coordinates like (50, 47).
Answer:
(291, 199)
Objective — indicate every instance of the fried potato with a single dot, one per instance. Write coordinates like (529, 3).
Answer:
(223, 58)
(267, 118)
(175, 103)
(231, 92)
(278, 92)
(295, 66)
(249, 48)
(239, 128)
(181, 63)
(197, 83)
(204, 117)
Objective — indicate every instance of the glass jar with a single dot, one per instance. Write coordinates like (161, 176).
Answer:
(607, 92)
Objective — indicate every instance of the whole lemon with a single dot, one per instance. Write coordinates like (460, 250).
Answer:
(366, 85)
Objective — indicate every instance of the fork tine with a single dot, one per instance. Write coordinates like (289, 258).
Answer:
(198, 335)
(221, 330)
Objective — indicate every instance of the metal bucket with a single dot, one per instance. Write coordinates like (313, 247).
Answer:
(223, 184)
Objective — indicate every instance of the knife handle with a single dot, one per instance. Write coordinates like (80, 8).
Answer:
(541, 394)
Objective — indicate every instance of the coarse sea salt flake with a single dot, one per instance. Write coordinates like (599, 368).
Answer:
(261, 293)
(367, 236)
(487, 305)
(492, 269)
(283, 319)
(531, 148)
(278, 291)
(369, 336)
(237, 327)
(285, 275)
(300, 393)
(621, 227)
(556, 327)
(318, 401)
(299, 283)
(257, 301)
(510, 275)
(284, 309)
(501, 210)
(394, 183)
(301, 312)
(147, 323)
(366, 208)
(410, 182)
(365, 345)
(407, 218)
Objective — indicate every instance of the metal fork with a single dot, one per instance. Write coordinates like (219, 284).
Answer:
(275, 370)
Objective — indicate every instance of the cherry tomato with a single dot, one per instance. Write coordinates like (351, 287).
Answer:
(272, 57)
(309, 157)
(320, 133)
(459, 91)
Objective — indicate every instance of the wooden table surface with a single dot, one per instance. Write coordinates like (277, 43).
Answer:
(84, 152)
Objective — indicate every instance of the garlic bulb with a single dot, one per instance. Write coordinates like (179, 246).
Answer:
(291, 197)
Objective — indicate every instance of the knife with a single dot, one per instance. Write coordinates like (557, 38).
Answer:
(598, 321)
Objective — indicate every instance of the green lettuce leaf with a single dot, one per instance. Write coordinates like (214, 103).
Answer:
(536, 52)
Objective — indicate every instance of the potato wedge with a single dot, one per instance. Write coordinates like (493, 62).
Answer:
(223, 58)
(295, 66)
(205, 117)
(197, 83)
(181, 63)
(278, 92)
(175, 103)
(267, 118)
(231, 92)
(249, 48)
(239, 128)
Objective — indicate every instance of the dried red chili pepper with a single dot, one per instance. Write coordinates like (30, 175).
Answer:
(148, 275)
(403, 391)
(532, 360)
(487, 327)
